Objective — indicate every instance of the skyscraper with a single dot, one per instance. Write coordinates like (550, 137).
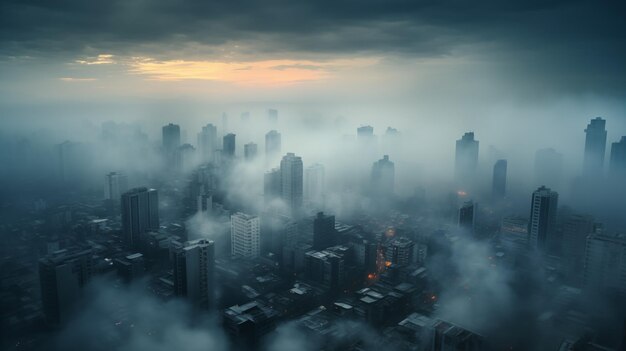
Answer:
(194, 270)
(272, 115)
(605, 264)
(271, 185)
(140, 214)
(272, 144)
(62, 275)
(314, 184)
(383, 177)
(399, 251)
(324, 234)
(365, 133)
(542, 223)
(291, 174)
(207, 142)
(228, 151)
(575, 231)
(548, 167)
(277, 232)
(250, 151)
(245, 234)
(115, 184)
(171, 138)
(618, 158)
(467, 216)
(499, 180)
(595, 147)
(466, 159)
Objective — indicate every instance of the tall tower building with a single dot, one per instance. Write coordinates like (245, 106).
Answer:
(171, 138)
(314, 184)
(605, 264)
(291, 174)
(272, 144)
(115, 184)
(618, 158)
(140, 214)
(383, 177)
(272, 187)
(194, 271)
(542, 223)
(466, 159)
(250, 151)
(62, 275)
(207, 142)
(272, 115)
(467, 216)
(365, 133)
(595, 147)
(499, 180)
(277, 232)
(228, 151)
(245, 234)
(324, 235)
(576, 229)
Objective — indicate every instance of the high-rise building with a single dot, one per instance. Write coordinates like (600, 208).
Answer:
(140, 214)
(365, 133)
(618, 158)
(271, 185)
(277, 232)
(466, 159)
(130, 268)
(228, 150)
(185, 158)
(291, 174)
(399, 251)
(324, 234)
(514, 235)
(204, 203)
(383, 177)
(245, 234)
(115, 184)
(548, 167)
(194, 270)
(207, 142)
(62, 275)
(272, 144)
(605, 264)
(576, 229)
(542, 223)
(499, 180)
(272, 115)
(595, 147)
(314, 184)
(171, 138)
(467, 216)
(250, 151)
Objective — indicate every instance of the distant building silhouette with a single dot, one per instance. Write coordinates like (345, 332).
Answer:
(291, 177)
(272, 187)
(467, 216)
(194, 271)
(115, 184)
(207, 142)
(314, 184)
(272, 115)
(171, 138)
(466, 160)
(595, 147)
(245, 234)
(605, 264)
(618, 158)
(140, 214)
(272, 144)
(249, 151)
(542, 223)
(498, 188)
(576, 229)
(324, 235)
(228, 149)
(383, 177)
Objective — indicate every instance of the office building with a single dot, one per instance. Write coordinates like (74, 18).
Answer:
(291, 174)
(618, 158)
(115, 184)
(314, 184)
(277, 232)
(605, 264)
(365, 133)
(324, 234)
(466, 160)
(171, 138)
(250, 151)
(542, 223)
(140, 214)
(595, 147)
(131, 267)
(228, 150)
(399, 251)
(514, 236)
(247, 324)
(576, 229)
(383, 177)
(245, 233)
(207, 142)
(272, 187)
(194, 270)
(467, 216)
(498, 188)
(272, 144)
(62, 276)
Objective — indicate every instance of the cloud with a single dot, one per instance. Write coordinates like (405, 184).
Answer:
(76, 80)
(102, 59)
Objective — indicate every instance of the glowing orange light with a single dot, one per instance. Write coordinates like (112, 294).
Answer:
(390, 232)
(387, 263)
